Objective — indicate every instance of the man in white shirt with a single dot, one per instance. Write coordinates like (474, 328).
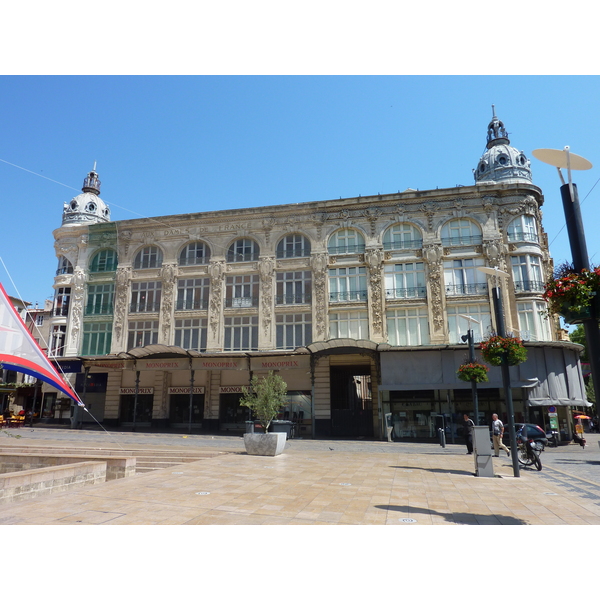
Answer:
(497, 432)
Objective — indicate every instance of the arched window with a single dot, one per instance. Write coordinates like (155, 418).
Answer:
(293, 245)
(104, 260)
(64, 266)
(148, 258)
(243, 250)
(402, 236)
(461, 232)
(196, 253)
(523, 229)
(346, 241)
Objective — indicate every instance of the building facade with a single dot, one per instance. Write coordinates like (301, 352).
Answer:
(358, 303)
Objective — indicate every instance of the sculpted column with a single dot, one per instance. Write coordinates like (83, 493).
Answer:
(374, 260)
(216, 271)
(122, 280)
(320, 304)
(265, 315)
(436, 298)
(169, 276)
(76, 312)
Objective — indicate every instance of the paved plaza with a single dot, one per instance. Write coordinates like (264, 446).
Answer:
(315, 482)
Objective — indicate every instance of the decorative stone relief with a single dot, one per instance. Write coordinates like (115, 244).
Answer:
(319, 266)
(493, 251)
(433, 254)
(123, 276)
(265, 270)
(374, 261)
(429, 210)
(79, 279)
(169, 275)
(216, 272)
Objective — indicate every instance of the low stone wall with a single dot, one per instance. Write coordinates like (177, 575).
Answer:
(116, 466)
(24, 485)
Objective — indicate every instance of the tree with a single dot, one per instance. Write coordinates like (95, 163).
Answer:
(265, 397)
(577, 336)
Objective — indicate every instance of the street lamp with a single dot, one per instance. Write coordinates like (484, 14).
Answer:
(469, 339)
(505, 371)
(564, 159)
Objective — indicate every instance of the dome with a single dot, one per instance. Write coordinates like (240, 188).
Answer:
(501, 162)
(88, 207)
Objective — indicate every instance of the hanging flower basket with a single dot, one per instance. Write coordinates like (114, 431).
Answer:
(473, 372)
(574, 295)
(493, 349)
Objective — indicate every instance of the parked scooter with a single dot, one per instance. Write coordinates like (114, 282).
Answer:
(527, 452)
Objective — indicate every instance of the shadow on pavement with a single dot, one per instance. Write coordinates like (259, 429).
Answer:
(452, 471)
(458, 518)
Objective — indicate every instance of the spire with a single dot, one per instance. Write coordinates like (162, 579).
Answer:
(496, 132)
(91, 183)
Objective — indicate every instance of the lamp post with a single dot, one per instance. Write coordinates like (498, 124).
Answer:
(469, 339)
(497, 297)
(564, 159)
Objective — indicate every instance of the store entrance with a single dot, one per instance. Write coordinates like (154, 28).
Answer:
(351, 401)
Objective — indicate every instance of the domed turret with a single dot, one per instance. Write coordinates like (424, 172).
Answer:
(87, 207)
(501, 162)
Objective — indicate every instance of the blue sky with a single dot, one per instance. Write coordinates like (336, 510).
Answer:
(176, 144)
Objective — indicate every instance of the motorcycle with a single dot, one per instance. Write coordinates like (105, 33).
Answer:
(527, 452)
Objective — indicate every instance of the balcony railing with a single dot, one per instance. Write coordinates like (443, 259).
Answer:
(294, 253)
(523, 236)
(463, 240)
(409, 292)
(144, 307)
(191, 305)
(529, 286)
(99, 309)
(402, 244)
(358, 296)
(242, 256)
(293, 299)
(347, 249)
(248, 302)
(466, 289)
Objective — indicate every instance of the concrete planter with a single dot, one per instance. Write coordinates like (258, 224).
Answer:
(264, 444)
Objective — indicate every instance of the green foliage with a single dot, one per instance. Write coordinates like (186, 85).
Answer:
(590, 392)
(473, 372)
(265, 397)
(577, 336)
(571, 291)
(495, 347)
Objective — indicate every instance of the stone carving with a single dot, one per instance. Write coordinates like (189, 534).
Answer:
(123, 276)
(216, 272)
(429, 210)
(319, 266)
(433, 254)
(374, 261)
(493, 251)
(79, 279)
(169, 274)
(265, 270)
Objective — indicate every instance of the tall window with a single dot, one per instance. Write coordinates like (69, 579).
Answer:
(533, 322)
(293, 245)
(145, 296)
(402, 236)
(148, 258)
(96, 339)
(294, 287)
(241, 333)
(461, 232)
(64, 266)
(241, 291)
(461, 277)
(351, 324)
(190, 334)
(405, 280)
(57, 341)
(142, 333)
(104, 261)
(62, 298)
(196, 253)
(243, 250)
(293, 330)
(458, 325)
(348, 284)
(100, 299)
(192, 294)
(527, 273)
(346, 241)
(408, 327)
(523, 229)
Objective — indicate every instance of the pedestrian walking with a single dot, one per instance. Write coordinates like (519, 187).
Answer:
(497, 433)
(469, 433)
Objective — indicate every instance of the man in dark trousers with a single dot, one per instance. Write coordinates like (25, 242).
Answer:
(469, 433)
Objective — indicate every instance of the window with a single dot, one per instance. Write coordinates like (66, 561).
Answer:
(346, 241)
(64, 266)
(408, 327)
(243, 250)
(402, 236)
(145, 296)
(527, 273)
(142, 333)
(148, 258)
(458, 325)
(96, 339)
(294, 287)
(196, 253)
(57, 341)
(404, 280)
(39, 320)
(348, 284)
(523, 229)
(103, 261)
(293, 245)
(461, 232)
(354, 325)
(192, 294)
(190, 334)
(100, 299)
(241, 291)
(241, 333)
(461, 277)
(62, 298)
(293, 330)
(533, 322)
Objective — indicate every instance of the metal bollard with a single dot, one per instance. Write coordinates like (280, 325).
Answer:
(442, 436)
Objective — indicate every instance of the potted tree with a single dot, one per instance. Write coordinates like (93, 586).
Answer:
(264, 398)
